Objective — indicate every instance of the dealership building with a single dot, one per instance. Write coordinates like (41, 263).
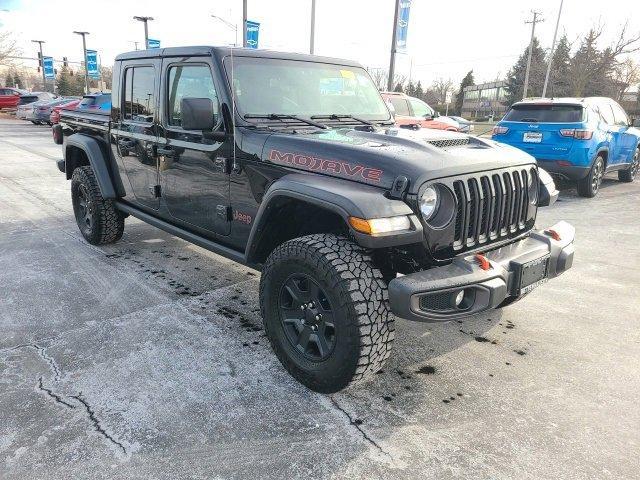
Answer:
(485, 100)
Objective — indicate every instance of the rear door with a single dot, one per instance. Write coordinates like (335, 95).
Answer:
(535, 128)
(136, 129)
(626, 141)
(194, 171)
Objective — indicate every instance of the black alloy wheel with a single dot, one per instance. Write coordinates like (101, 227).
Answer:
(306, 314)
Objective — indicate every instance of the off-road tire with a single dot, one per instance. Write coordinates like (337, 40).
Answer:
(630, 173)
(364, 324)
(106, 222)
(589, 186)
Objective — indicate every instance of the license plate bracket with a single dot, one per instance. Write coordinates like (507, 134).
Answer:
(532, 137)
(532, 274)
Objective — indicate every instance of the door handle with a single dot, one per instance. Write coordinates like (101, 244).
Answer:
(126, 144)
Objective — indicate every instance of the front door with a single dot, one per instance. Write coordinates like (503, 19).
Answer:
(194, 171)
(136, 132)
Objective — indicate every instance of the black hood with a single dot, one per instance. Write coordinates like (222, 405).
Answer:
(378, 157)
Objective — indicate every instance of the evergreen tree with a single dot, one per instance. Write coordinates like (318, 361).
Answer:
(410, 89)
(467, 81)
(68, 84)
(17, 80)
(8, 80)
(398, 88)
(560, 65)
(419, 92)
(516, 76)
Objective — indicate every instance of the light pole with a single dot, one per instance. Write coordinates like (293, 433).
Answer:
(244, 23)
(533, 33)
(553, 47)
(394, 39)
(146, 29)
(232, 26)
(84, 50)
(44, 78)
(312, 37)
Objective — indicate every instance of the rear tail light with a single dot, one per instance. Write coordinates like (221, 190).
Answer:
(499, 130)
(576, 133)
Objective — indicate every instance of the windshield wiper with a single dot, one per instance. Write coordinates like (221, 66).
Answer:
(281, 116)
(335, 116)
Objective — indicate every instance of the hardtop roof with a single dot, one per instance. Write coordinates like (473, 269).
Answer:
(221, 52)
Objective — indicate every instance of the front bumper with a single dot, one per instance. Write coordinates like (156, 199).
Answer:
(429, 295)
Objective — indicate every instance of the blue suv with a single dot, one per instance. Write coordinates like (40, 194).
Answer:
(578, 139)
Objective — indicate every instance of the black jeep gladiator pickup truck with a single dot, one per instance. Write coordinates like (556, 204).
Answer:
(291, 164)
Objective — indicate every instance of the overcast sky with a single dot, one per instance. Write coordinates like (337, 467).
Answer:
(446, 38)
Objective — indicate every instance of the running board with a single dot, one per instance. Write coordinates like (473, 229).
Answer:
(190, 237)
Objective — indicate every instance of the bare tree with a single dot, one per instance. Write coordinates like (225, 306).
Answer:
(8, 48)
(440, 87)
(379, 77)
(627, 74)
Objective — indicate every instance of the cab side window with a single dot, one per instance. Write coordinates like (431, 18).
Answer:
(190, 81)
(619, 116)
(400, 105)
(139, 94)
(420, 109)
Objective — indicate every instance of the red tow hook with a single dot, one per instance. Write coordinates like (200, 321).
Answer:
(483, 261)
(553, 234)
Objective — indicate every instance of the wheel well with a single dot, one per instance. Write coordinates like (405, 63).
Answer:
(74, 157)
(605, 156)
(289, 218)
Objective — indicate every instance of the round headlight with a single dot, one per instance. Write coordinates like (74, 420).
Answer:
(533, 188)
(428, 203)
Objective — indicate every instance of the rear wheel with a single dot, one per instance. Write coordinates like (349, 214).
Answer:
(630, 173)
(98, 219)
(588, 186)
(326, 312)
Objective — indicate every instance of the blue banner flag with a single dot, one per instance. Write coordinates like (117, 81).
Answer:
(253, 29)
(92, 64)
(153, 43)
(47, 65)
(403, 25)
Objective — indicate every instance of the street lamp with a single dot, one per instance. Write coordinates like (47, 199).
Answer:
(232, 26)
(84, 49)
(44, 78)
(146, 29)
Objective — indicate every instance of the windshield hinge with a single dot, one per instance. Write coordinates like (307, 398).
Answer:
(399, 188)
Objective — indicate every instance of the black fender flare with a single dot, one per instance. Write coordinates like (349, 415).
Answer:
(98, 159)
(346, 199)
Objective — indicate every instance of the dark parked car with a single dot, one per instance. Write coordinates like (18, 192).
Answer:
(30, 97)
(42, 110)
(290, 164)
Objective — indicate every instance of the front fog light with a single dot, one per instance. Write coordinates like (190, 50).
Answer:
(428, 203)
(459, 298)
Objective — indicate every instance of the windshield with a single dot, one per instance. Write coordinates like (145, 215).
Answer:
(545, 113)
(264, 86)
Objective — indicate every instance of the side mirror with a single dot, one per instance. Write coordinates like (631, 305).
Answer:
(428, 117)
(636, 123)
(436, 114)
(197, 113)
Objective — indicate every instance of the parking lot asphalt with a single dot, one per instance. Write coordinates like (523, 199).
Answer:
(147, 359)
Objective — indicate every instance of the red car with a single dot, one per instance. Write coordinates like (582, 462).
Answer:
(9, 97)
(55, 112)
(413, 111)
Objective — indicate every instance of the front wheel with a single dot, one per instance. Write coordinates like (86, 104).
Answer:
(589, 185)
(326, 311)
(629, 174)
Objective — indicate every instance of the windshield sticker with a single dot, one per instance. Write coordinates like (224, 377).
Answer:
(347, 74)
(315, 164)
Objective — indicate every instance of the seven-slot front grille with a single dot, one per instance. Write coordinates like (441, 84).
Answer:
(491, 206)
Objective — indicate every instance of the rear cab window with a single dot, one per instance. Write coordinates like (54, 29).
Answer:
(139, 102)
(538, 113)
